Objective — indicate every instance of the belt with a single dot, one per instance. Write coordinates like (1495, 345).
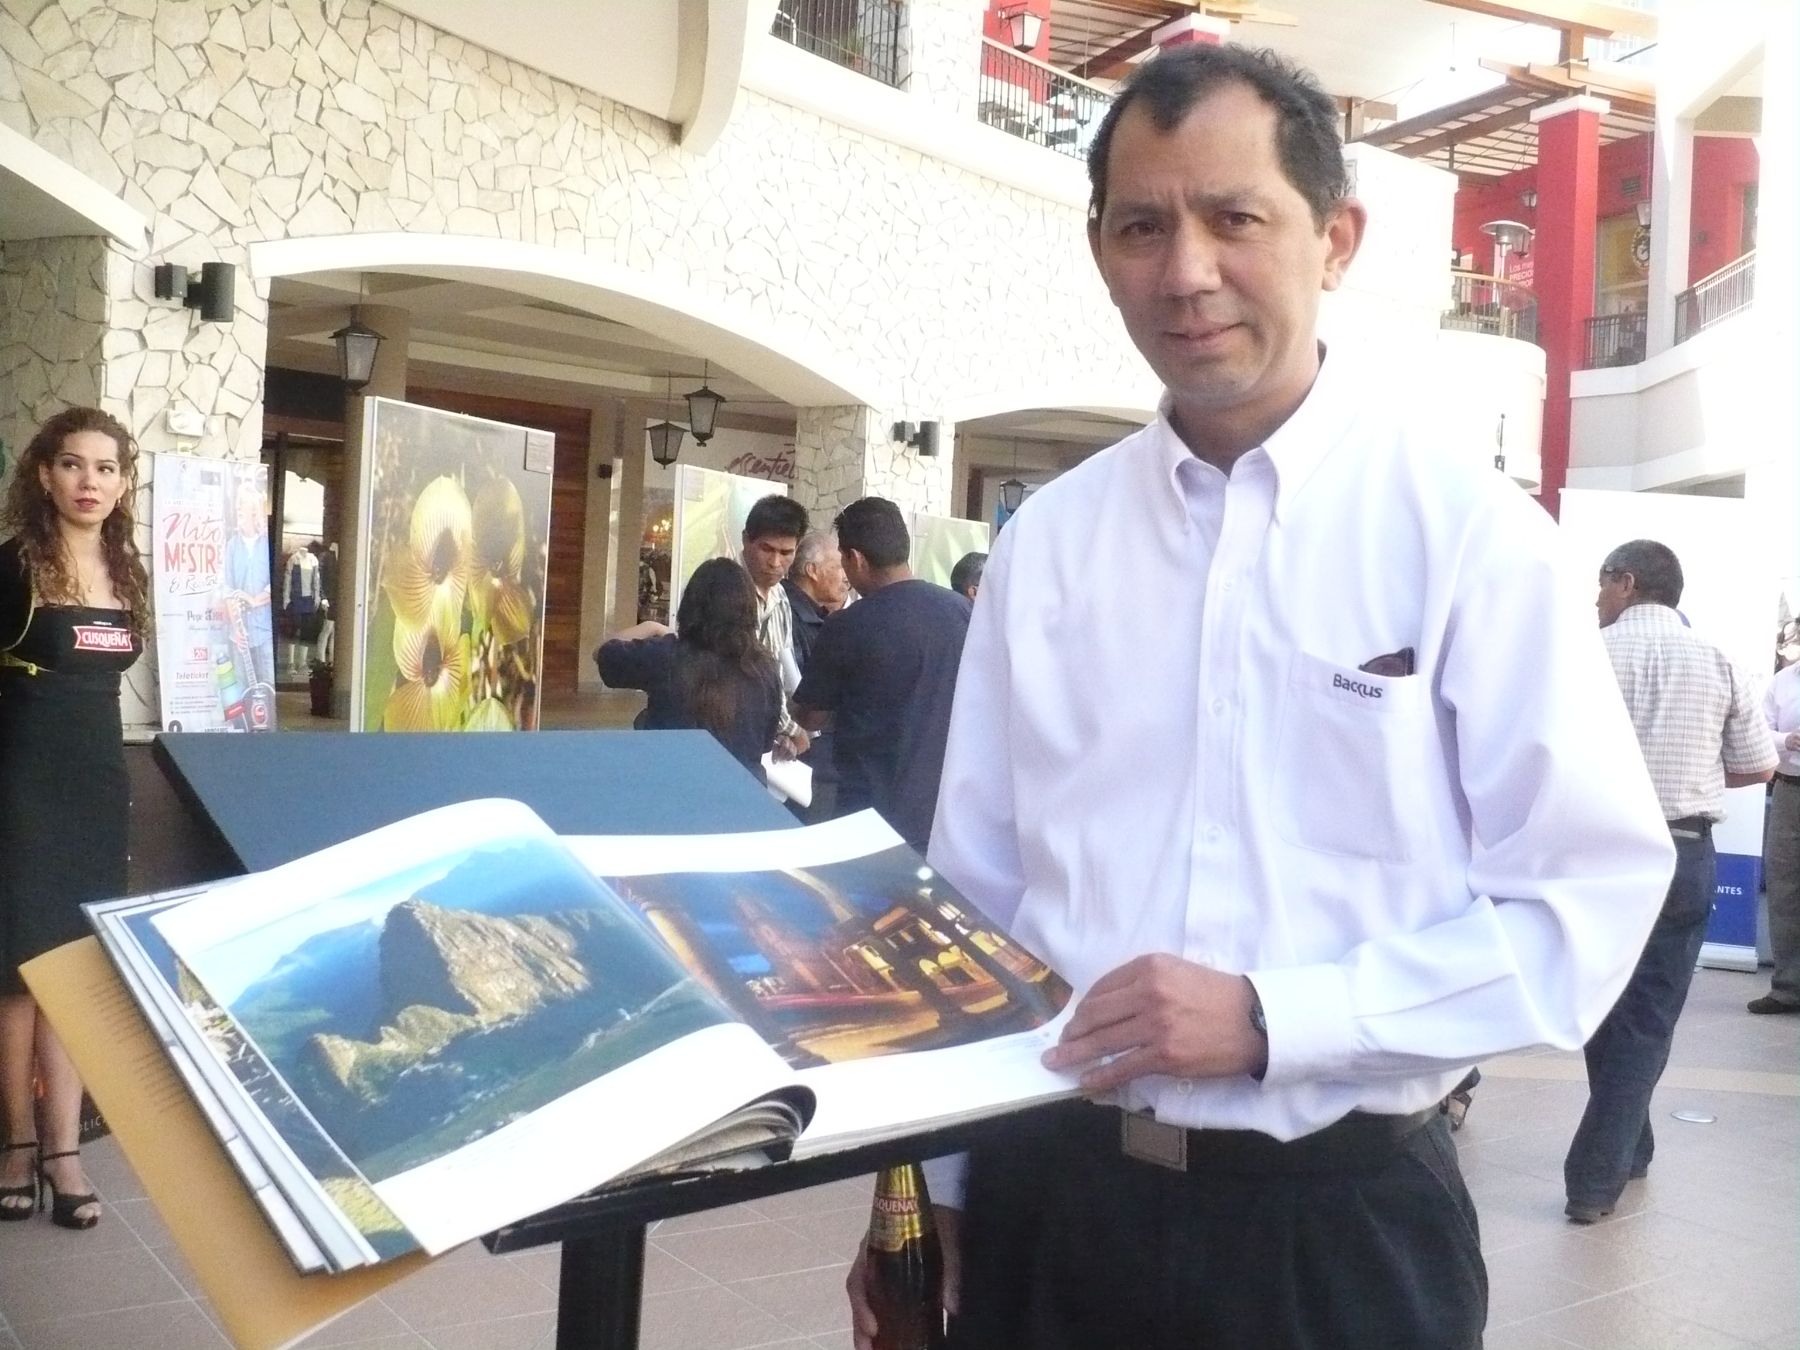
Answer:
(1691, 827)
(1791, 779)
(1361, 1141)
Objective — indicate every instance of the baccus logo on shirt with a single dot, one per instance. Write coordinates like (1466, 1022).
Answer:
(93, 637)
(1357, 687)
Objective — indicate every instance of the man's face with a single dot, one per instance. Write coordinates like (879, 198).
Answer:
(1214, 259)
(826, 582)
(1617, 591)
(768, 558)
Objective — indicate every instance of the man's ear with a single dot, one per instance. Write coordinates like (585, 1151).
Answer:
(1343, 235)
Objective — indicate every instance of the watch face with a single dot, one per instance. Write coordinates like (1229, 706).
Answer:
(1258, 1022)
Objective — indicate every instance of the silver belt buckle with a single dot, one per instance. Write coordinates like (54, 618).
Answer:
(1149, 1140)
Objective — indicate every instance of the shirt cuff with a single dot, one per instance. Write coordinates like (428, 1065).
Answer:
(1311, 1030)
(946, 1179)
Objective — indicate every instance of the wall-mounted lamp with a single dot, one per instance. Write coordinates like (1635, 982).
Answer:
(703, 407)
(1023, 28)
(1643, 214)
(1012, 491)
(665, 436)
(921, 436)
(213, 292)
(1529, 199)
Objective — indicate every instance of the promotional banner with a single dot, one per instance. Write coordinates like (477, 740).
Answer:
(710, 510)
(457, 520)
(215, 647)
(1723, 602)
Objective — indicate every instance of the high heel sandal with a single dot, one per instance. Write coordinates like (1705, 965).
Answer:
(63, 1207)
(31, 1192)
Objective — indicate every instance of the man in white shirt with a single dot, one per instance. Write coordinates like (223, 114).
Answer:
(772, 533)
(1313, 780)
(1781, 842)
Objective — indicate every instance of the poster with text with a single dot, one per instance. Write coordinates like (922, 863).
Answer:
(215, 646)
(457, 526)
(710, 510)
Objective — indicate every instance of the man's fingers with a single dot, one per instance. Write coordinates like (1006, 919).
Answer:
(1118, 1072)
(862, 1316)
(1112, 1039)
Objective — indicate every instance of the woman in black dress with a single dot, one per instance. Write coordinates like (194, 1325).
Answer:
(715, 676)
(74, 605)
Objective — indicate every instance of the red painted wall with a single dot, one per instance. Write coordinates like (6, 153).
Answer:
(1723, 168)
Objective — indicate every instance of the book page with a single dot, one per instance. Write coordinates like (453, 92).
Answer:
(479, 1026)
(263, 1302)
(894, 998)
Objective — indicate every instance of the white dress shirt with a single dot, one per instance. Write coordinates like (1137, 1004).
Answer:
(1161, 743)
(1781, 710)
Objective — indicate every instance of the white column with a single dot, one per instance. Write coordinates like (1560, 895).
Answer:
(1671, 207)
(628, 491)
(1772, 477)
(599, 542)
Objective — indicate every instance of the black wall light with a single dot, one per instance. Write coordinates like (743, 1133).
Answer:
(921, 436)
(703, 407)
(213, 292)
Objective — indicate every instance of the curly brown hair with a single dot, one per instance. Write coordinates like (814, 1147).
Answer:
(30, 516)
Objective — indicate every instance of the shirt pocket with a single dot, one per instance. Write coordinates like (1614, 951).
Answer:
(1348, 760)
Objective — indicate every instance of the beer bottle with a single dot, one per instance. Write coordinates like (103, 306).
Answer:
(906, 1264)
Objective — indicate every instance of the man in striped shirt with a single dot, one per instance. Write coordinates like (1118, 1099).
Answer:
(1700, 726)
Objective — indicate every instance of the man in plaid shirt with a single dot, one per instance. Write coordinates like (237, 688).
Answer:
(1698, 721)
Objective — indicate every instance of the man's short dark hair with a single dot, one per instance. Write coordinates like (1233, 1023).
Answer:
(874, 527)
(1172, 84)
(1653, 566)
(967, 571)
(775, 517)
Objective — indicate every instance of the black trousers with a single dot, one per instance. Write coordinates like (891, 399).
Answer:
(1070, 1245)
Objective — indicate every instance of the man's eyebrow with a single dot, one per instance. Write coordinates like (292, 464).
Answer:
(1228, 199)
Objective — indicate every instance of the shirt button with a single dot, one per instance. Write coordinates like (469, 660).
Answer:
(1229, 583)
(1184, 1086)
(1218, 707)
(1214, 834)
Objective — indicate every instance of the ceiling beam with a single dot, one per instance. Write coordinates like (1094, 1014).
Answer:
(1510, 117)
(1116, 57)
(1627, 94)
(1434, 120)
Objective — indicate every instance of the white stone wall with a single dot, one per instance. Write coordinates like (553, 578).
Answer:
(52, 330)
(234, 121)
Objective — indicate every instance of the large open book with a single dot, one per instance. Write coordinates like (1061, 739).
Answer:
(459, 1020)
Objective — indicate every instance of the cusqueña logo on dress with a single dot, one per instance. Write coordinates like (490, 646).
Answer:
(98, 638)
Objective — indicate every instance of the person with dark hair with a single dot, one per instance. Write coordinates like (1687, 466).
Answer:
(1699, 723)
(74, 610)
(965, 577)
(772, 534)
(712, 673)
(1309, 775)
(884, 672)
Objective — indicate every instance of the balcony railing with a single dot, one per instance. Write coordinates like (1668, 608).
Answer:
(1492, 305)
(1037, 102)
(1715, 298)
(860, 35)
(1615, 340)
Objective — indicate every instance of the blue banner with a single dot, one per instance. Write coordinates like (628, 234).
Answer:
(1734, 900)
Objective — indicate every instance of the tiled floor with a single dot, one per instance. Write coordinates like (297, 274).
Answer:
(1705, 1255)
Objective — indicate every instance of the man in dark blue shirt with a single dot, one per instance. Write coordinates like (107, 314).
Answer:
(885, 668)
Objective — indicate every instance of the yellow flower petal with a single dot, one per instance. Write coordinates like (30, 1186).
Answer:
(489, 715)
(408, 709)
(499, 528)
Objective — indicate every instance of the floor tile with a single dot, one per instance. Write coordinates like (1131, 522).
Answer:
(810, 1301)
(712, 1317)
(508, 1333)
(95, 1282)
(368, 1321)
(167, 1326)
(444, 1296)
(727, 1254)
(1616, 1321)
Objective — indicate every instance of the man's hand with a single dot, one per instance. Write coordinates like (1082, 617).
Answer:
(793, 745)
(1793, 740)
(862, 1314)
(1160, 1014)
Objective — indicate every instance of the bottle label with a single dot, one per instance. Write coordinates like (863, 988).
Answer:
(895, 1221)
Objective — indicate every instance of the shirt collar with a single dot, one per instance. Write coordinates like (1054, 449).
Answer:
(1294, 449)
(1649, 614)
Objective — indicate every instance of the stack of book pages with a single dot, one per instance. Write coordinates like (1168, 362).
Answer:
(462, 1019)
